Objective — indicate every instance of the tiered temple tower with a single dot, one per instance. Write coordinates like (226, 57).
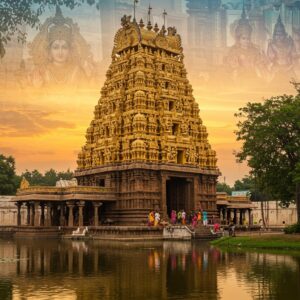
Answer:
(146, 141)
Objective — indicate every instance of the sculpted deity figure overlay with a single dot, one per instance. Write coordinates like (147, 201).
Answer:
(60, 54)
(245, 61)
(281, 53)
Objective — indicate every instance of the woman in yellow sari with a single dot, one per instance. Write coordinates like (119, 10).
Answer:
(151, 218)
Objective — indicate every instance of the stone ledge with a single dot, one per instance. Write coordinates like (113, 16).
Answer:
(147, 166)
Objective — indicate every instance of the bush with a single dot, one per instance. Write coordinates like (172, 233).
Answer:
(295, 228)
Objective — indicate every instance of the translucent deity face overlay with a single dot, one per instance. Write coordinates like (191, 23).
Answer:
(244, 41)
(59, 51)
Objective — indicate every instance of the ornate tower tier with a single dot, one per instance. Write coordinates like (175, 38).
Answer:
(147, 141)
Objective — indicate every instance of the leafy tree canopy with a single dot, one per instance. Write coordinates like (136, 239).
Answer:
(8, 182)
(15, 14)
(270, 132)
(223, 187)
(249, 183)
(49, 178)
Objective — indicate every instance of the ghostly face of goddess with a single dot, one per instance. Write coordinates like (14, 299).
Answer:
(60, 51)
(244, 41)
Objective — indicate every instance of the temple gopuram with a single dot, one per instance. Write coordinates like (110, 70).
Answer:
(146, 147)
(147, 141)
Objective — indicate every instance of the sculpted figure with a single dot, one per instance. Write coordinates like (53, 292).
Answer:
(296, 39)
(61, 56)
(281, 53)
(245, 61)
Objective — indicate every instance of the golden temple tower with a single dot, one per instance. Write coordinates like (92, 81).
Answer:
(147, 142)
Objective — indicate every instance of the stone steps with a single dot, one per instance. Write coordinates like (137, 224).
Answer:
(204, 233)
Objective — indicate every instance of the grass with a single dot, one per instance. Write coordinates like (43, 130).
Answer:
(272, 242)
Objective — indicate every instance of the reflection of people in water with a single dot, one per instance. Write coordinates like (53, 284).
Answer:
(245, 61)
(60, 54)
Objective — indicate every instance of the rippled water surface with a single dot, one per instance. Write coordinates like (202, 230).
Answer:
(50, 269)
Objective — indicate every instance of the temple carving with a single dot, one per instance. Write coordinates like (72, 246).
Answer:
(147, 141)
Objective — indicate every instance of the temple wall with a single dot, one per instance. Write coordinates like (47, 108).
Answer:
(275, 215)
(140, 191)
(8, 211)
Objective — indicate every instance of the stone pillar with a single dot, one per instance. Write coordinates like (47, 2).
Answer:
(48, 216)
(28, 213)
(225, 216)
(238, 217)
(32, 214)
(164, 197)
(80, 215)
(71, 216)
(243, 216)
(19, 205)
(221, 215)
(36, 214)
(231, 215)
(250, 217)
(96, 215)
(42, 219)
(62, 215)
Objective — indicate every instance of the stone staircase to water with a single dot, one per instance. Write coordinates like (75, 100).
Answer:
(204, 233)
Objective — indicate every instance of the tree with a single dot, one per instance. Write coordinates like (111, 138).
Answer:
(270, 132)
(34, 177)
(7, 175)
(14, 14)
(246, 184)
(223, 187)
(49, 178)
(250, 183)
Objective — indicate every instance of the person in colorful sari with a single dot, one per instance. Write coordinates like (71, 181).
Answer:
(156, 218)
(151, 218)
(194, 220)
(183, 217)
(199, 216)
(179, 216)
(173, 217)
(205, 220)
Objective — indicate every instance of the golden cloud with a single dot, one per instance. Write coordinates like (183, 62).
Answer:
(24, 122)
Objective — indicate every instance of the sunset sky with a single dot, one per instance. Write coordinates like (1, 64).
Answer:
(44, 130)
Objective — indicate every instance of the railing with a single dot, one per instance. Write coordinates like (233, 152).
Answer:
(62, 190)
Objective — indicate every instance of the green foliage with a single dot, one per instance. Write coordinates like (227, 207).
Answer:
(260, 242)
(48, 179)
(223, 187)
(270, 132)
(246, 184)
(249, 183)
(7, 175)
(15, 14)
(295, 228)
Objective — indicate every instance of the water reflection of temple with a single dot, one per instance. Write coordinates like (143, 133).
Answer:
(157, 270)
(113, 269)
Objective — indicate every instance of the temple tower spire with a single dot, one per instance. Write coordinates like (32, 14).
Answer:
(146, 138)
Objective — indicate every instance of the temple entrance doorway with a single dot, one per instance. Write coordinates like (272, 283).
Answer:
(179, 195)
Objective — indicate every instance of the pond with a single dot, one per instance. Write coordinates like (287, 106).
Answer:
(63, 269)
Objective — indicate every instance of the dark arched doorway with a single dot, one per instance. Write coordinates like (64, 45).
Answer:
(179, 194)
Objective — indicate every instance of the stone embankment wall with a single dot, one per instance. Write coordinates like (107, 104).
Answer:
(275, 215)
(8, 212)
